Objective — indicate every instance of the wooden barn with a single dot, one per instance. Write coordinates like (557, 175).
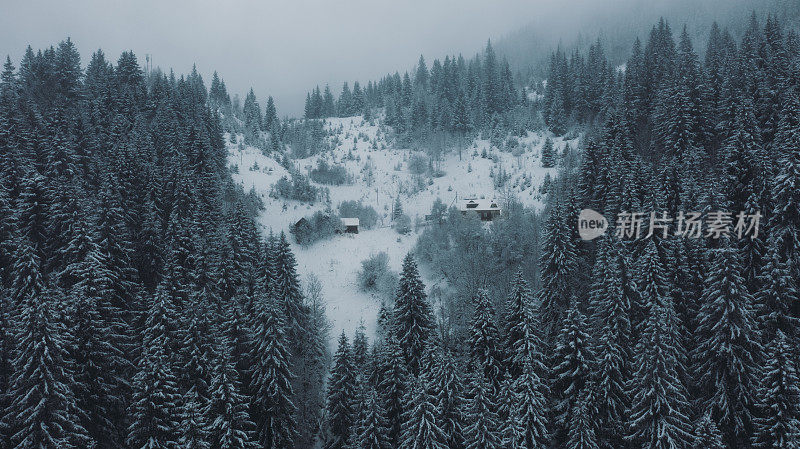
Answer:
(350, 225)
(485, 209)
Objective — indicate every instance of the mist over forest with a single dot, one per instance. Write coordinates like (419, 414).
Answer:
(527, 225)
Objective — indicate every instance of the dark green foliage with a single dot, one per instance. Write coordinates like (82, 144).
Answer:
(548, 154)
(484, 345)
(413, 318)
(777, 423)
(367, 216)
(324, 173)
(272, 406)
(317, 227)
(483, 430)
(420, 429)
(297, 188)
(728, 348)
(341, 415)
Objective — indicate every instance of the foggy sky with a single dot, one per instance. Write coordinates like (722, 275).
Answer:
(284, 48)
(281, 48)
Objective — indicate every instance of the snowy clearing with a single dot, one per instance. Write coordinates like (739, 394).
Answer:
(379, 177)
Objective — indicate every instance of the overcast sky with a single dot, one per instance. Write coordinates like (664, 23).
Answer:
(284, 48)
(281, 48)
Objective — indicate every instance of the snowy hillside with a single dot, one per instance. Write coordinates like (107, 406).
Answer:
(381, 174)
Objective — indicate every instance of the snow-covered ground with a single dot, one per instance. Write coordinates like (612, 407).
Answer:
(337, 260)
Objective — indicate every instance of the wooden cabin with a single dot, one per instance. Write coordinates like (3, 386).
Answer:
(350, 225)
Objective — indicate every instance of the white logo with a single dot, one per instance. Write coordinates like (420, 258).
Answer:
(591, 224)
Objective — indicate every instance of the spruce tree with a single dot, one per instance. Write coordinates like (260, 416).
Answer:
(42, 410)
(485, 355)
(420, 429)
(360, 348)
(373, 432)
(728, 348)
(449, 388)
(548, 154)
(341, 414)
(413, 319)
(573, 364)
(392, 386)
(529, 408)
(272, 407)
(156, 408)
(581, 434)
(286, 289)
(777, 423)
(610, 318)
(659, 415)
(558, 265)
(707, 435)
(270, 115)
(193, 424)
(518, 305)
(778, 293)
(229, 426)
(483, 431)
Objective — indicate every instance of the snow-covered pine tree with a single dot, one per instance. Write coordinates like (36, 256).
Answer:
(728, 348)
(270, 115)
(581, 433)
(785, 192)
(777, 423)
(573, 365)
(420, 429)
(99, 337)
(558, 265)
(449, 388)
(115, 239)
(235, 328)
(373, 432)
(306, 351)
(198, 352)
(548, 154)
(194, 425)
(287, 291)
(778, 293)
(312, 372)
(360, 348)
(156, 410)
(610, 321)
(413, 318)
(707, 434)
(659, 415)
(745, 159)
(653, 291)
(272, 407)
(484, 344)
(517, 306)
(229, 425)
(397, 209)
(392, 385)
(483, 431)
(341, 414)
(42, 410)
(529, 408)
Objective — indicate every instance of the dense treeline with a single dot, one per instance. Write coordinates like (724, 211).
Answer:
(657, 342)
(454, 96)
(139, 305)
